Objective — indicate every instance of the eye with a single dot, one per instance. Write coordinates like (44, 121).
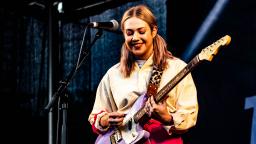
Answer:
(142, 32)
(129, 32)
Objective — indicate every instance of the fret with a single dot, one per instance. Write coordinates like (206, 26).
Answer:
(138, 116)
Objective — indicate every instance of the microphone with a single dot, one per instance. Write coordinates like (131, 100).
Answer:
(112, 25)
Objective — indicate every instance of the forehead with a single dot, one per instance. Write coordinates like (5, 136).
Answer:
(135, 23)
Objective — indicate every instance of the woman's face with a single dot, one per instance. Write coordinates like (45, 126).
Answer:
(139, 37)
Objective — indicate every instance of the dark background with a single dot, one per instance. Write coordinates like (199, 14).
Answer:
(39, 46)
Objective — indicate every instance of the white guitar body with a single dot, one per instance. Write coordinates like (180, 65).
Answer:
(130, 132)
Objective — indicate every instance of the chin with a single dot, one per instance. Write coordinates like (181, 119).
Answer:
(137, 53)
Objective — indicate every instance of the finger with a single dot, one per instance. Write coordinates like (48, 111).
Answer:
(151, 109)
(152, 101)
(160, 103)
(148, 112)
(116, 114)
(116, 121)
(147, 104)
(147, 109)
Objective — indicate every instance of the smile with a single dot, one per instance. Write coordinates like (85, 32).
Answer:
(137, 45)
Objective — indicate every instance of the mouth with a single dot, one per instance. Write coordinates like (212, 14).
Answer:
(137, 45)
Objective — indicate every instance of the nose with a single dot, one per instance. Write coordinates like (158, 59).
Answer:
(135, 36)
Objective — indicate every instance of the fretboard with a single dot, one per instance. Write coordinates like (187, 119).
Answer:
(206, 54)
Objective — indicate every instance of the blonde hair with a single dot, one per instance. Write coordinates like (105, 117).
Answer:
(161, 54)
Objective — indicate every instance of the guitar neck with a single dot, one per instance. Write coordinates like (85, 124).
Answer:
(162, 94)
(206, 54)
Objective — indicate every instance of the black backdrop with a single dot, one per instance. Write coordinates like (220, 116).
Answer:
(223, 85)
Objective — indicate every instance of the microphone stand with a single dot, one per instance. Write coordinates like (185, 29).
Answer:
(61, 91)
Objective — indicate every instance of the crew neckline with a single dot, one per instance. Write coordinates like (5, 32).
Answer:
(140, 63)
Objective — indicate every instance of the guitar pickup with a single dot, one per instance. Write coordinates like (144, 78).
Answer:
(116, 137)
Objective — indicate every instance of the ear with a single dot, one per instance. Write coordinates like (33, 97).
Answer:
(154, 31)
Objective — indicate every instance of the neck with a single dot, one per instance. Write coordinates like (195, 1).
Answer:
(144, 57)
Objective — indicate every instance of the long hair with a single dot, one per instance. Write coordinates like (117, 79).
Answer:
(161, 54)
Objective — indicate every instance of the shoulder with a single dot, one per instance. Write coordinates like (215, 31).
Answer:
(114, 70)
(111, 73)
(176, 62)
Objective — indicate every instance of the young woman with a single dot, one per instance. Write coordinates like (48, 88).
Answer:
(128, 80)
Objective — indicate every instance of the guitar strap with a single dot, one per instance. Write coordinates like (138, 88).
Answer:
(154, 81)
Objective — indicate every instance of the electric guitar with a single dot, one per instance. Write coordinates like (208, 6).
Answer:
(131, 132)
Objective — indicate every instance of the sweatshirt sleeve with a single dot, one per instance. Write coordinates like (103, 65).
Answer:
(185, 110)
(102, 105)
(182, 103)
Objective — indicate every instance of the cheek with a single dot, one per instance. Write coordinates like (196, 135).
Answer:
(127, 39)
(127, 43)
(145, 38)
(148, 39)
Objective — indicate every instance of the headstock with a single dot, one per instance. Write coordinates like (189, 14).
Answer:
(209, 52)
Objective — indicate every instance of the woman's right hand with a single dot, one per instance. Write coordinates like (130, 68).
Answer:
(112, 119)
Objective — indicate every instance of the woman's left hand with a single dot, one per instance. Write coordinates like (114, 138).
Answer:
(158, 110)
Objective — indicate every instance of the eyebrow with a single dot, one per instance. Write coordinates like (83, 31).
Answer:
(137, 28)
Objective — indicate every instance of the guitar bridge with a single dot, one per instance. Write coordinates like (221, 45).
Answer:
(116, 137)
